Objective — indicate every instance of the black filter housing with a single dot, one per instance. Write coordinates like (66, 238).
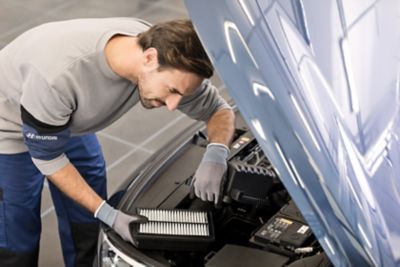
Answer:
(248, 184)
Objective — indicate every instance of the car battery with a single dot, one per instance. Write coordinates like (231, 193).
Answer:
(286, 229)
(291, 211)
(173, 230)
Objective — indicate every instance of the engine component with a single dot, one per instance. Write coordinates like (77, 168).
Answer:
(233, 255)
(248, 183)
(173, 230)
(291, 211)
(250, 175)
(283, 231)
(287, 230)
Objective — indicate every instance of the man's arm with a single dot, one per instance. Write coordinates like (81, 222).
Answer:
(207, 105)
(71, 183)
(208, 182)
(45, 127)
(221, 126)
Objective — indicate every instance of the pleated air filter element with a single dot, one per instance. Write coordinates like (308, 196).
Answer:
(175, 230)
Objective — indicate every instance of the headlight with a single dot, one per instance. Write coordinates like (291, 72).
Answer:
(110, 256)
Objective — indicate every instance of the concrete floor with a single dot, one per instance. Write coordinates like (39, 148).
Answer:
(133, 138)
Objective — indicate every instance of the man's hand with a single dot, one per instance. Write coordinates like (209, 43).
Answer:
(207, 180)
(118, 220)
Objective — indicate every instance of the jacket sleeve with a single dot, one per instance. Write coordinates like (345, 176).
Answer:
(203, 103)
(45, 115)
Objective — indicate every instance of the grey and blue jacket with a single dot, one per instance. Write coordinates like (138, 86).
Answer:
(55, 83)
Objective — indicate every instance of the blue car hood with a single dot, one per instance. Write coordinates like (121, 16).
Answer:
(318, 84)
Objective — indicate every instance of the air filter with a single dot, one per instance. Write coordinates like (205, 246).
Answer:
(174, 230)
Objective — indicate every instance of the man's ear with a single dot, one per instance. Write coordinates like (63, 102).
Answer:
(150, 58)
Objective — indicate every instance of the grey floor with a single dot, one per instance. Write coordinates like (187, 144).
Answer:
(133, 138)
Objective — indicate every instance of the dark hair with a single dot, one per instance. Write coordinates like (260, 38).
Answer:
(178, 47)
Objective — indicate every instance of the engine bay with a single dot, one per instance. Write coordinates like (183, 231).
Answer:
(255, 223)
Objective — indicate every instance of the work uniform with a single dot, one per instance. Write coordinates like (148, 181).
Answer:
(56, 90)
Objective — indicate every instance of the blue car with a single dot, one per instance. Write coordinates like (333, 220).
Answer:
(314, 169)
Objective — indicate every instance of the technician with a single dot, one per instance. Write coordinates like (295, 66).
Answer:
(61, 82)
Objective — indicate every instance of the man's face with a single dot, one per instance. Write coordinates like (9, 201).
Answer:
(165, 87)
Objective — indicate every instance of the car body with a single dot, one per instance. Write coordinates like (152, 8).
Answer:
(317, 83)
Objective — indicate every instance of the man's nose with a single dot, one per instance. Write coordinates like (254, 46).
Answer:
(172, 101)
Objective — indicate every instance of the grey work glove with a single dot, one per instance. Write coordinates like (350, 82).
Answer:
(207, 181)
(118, 220)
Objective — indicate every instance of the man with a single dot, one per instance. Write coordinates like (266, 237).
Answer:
(62, 81)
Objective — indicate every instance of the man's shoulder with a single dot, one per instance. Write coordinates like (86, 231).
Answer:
(55, 47)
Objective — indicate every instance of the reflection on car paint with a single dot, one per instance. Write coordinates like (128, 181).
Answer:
(318, 84)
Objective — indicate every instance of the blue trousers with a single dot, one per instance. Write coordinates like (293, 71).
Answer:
(20, 216)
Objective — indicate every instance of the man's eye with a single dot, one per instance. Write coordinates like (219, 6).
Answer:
(174, 91)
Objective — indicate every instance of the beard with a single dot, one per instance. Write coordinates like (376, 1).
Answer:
(147, 102)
